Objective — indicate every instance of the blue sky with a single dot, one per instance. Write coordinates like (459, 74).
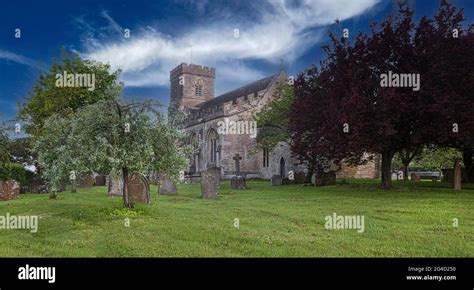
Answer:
(163, 33)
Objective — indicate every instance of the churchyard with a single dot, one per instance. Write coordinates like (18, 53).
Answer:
(415, 219)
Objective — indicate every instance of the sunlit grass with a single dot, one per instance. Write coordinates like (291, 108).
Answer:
(410, 220)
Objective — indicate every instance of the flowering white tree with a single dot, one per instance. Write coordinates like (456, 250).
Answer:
(111, 135)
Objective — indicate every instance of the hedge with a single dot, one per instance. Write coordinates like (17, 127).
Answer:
(16, 171)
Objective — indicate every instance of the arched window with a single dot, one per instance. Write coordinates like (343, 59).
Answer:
(266, 157)
(282, 168)
(212, 145)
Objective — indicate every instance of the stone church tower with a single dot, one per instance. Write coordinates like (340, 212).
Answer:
(191, 85)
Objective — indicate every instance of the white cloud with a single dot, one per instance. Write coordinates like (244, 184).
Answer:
(284, 29)
(20, 59)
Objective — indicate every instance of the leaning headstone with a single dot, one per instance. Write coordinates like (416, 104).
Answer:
(100, 180)
(115, 184)
(457, 175)
(324, 178)
(86, 181)
(167, 186)
(9, 189)
(209, 185)
(138, 189)
(276, 180)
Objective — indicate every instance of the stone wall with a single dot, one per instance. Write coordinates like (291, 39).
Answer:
(368, 170)
(184, 95)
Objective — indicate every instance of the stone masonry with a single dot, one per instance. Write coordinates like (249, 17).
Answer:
(204, 113)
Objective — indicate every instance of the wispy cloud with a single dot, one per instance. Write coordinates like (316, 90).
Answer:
(10, 56)
(285, 29)
(112, 22)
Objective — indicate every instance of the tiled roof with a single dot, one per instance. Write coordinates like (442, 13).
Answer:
(251, 88)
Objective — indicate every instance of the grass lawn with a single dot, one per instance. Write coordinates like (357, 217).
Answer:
(412, 220)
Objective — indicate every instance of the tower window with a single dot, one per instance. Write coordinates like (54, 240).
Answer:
(198, 87)
(198, 91)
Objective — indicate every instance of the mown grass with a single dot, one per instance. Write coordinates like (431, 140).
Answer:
(412, 220)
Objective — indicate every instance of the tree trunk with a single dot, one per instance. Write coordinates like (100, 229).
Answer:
(469, 167)
(457, 175)
(74, 186)
(125, 187)
(310, 173)
(387, 157)
(53, 194)
(405, 171)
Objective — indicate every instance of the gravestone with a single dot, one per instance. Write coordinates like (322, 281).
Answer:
(138, 189)
(38, 185)
(115, 184)
(276, 180)
(9, 189)
(209, 184)
(322, 178)
(86, 181)
(100, 180)
(167, 186)
(457, 175)
(237, 181)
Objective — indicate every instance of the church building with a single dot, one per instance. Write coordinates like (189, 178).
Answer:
(208, 119)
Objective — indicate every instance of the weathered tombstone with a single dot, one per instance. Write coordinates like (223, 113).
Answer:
(457, 175)
(209, 184)
(100, 180)
(9, 189)
(138, 189)
(167, 186)
(115, 186)
(86, 181)
(276, 180)
(415, 177)
(237, 181)
(322, 178)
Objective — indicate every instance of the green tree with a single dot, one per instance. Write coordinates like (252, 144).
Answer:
(21, 151)
(272, 118)
(437, 158)
(111, 135)
(4, 146)
(47, 99)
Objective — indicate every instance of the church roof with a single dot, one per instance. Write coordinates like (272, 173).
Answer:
(246, 90)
